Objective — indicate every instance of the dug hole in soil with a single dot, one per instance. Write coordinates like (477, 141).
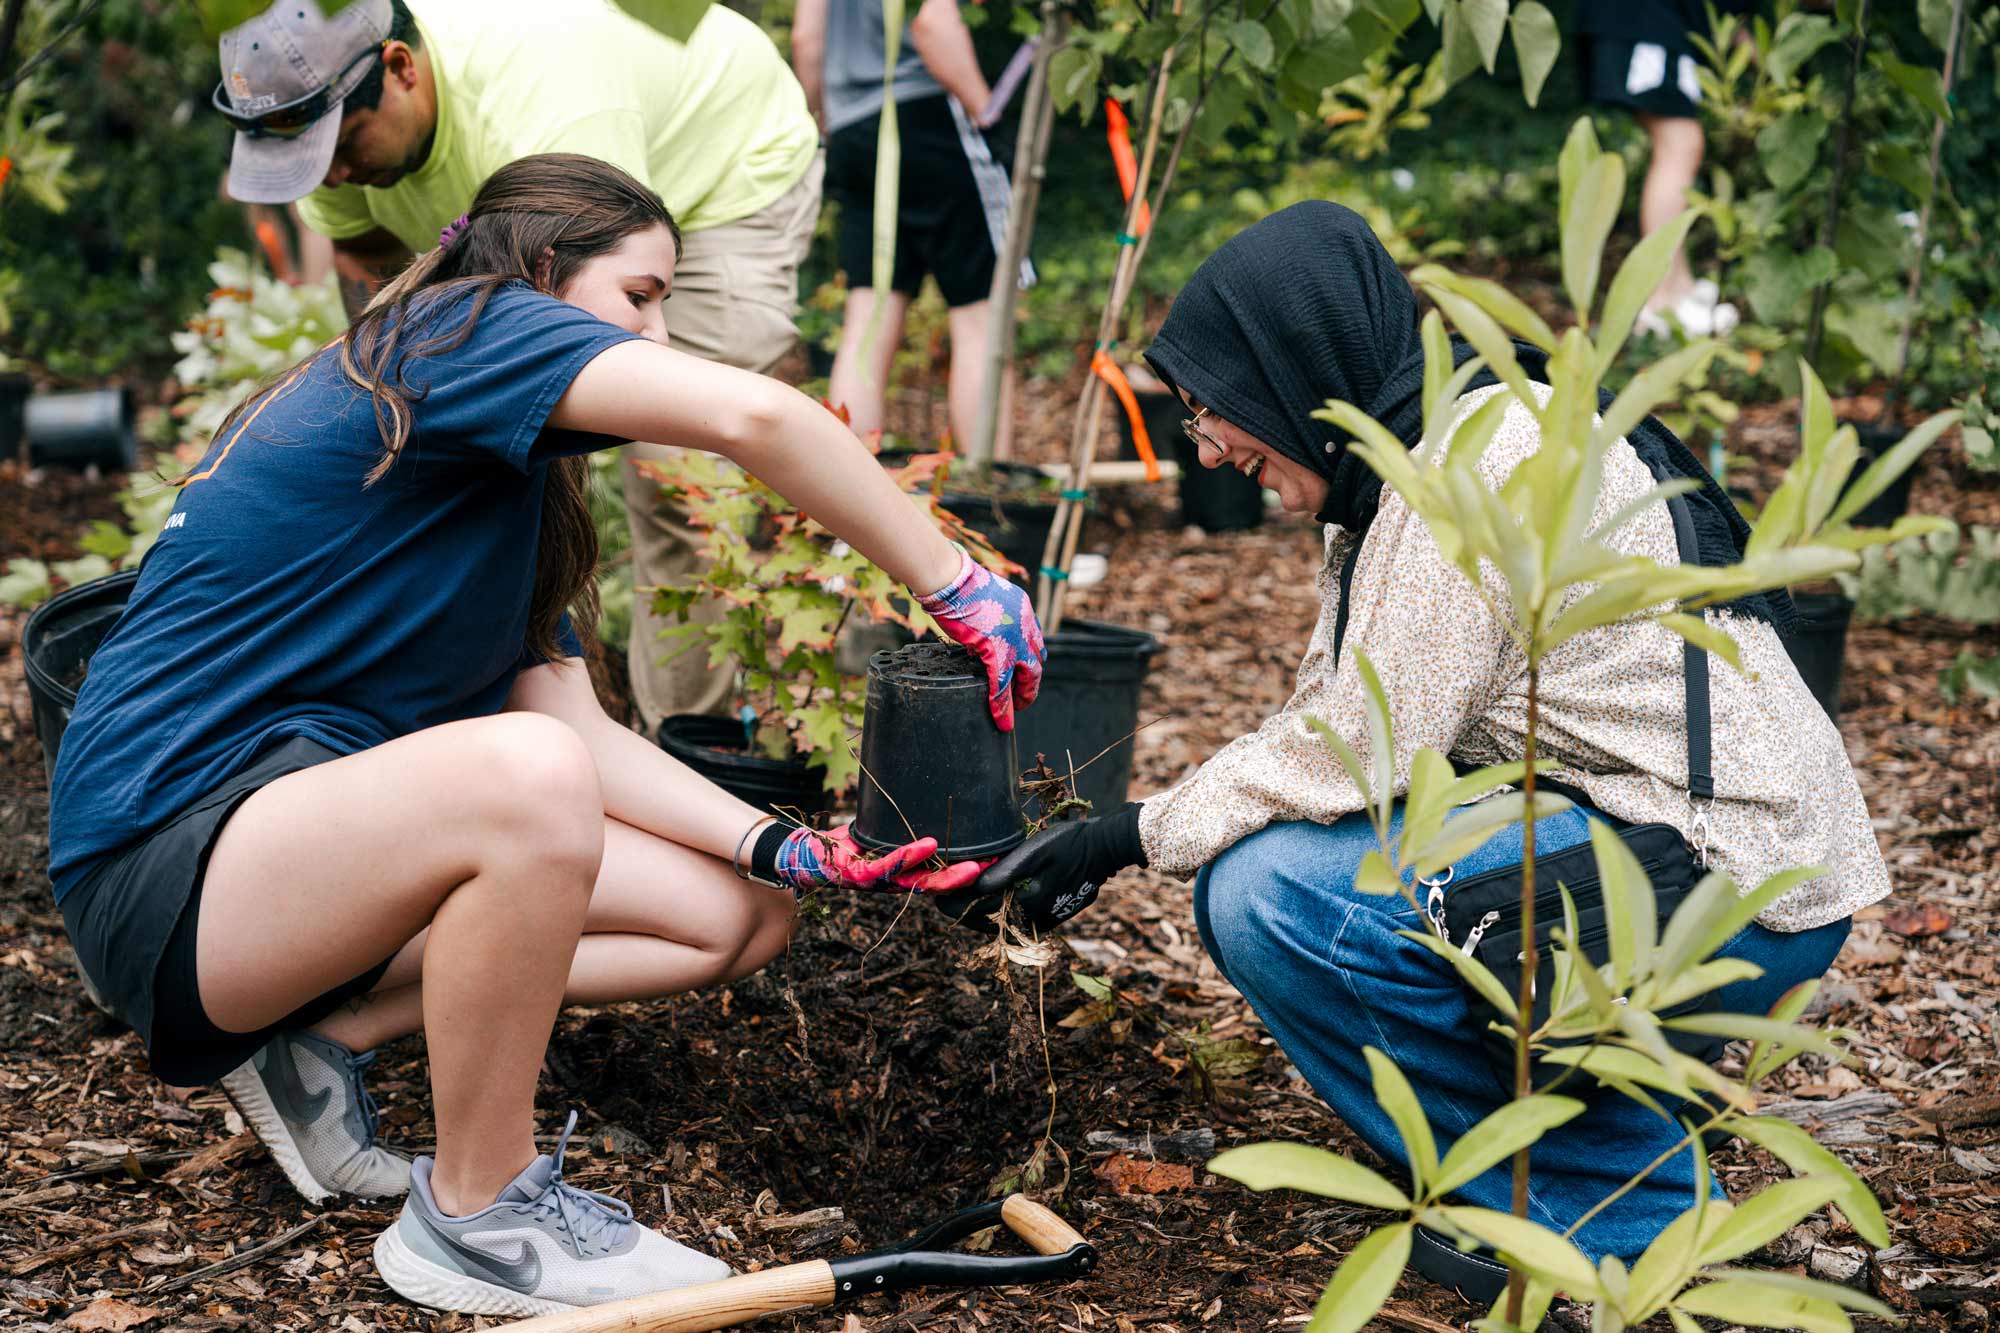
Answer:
(894, 1068)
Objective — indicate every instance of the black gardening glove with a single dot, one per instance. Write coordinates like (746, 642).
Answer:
(1053, 875)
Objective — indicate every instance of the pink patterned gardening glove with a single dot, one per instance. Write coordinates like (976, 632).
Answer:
(995, 620)
(811, 860)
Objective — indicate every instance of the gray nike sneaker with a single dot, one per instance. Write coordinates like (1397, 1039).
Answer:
(543, 1247)
(303, 1095)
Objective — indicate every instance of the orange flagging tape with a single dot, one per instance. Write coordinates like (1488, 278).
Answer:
(273, 243)
(1118, 131)
(1109, 371)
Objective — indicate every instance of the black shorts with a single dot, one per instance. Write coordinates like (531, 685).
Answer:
(1657, 78)
(951, 207)
(133, 922)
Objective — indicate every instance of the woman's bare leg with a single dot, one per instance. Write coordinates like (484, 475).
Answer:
(1678, 146)
(969, 347)
(663, 919)
(860, 380)
(486, 834)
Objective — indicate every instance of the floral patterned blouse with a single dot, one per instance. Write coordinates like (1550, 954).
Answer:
(1612, 712)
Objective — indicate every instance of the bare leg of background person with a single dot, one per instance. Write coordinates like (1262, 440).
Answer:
(861, 374)
(968, 369)
(1677, 151)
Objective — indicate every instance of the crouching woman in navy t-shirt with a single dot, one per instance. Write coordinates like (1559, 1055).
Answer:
(337, 775)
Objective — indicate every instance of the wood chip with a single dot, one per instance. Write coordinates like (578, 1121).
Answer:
(108, 1314)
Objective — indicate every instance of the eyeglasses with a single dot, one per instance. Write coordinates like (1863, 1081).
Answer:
(1198, 437)
(293, 118)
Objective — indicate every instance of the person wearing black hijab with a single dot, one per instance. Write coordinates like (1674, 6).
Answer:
(1306, 306)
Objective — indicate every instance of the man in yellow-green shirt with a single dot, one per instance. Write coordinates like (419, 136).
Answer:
(399, 112)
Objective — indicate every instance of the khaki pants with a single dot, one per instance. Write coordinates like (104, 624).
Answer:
(735, 291)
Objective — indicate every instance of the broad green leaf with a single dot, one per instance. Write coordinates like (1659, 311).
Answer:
(1802, 1153)
(1473, 827)
(25, 584)
(1095, 987)
(1514, 314)
(1381, 736)
(1470, 970)
(1700, 979)
(1587, 222)
(1652, 386)
(1437, 363)
(1363, 1281)
(1747, 1027)
(1921, 82)
(1774, 1280)
(1424, 808)
(1699, 632)
(1624, 1064)
(1579, 150)
(1485, 334)
(1479, 782)
(1487, 20)
(1357, 772)
(1670, 1260)
(1449, 392)
(1253, 41)
(1638, 278)
(1532, 1246)
(1891, 465)
(1789, 147)
(1395, 1096)
(1744, 1303)
(1537, 42)
(1797, 39)
(1767, 1215)
(1630, 918)
(1294, 1166)
(1376, 875)
(1500, 1135)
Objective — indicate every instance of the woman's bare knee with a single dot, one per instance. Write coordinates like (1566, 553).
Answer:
(540, 790)
(767, 938)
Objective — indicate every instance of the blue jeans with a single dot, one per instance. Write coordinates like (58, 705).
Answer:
(1324, 968)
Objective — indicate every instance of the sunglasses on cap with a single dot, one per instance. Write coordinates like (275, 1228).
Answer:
(293, 118)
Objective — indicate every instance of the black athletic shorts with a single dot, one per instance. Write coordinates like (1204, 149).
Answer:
(951, 207)
(1657, 78)
(133, 921)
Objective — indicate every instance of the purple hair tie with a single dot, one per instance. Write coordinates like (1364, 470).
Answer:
(449, 236)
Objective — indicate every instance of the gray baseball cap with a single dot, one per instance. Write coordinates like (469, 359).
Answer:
(285, 74)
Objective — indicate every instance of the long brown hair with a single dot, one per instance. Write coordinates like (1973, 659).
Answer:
(536, 220)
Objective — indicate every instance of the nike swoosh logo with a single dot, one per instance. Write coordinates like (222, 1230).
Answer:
(289, 1091)
(522, 1273)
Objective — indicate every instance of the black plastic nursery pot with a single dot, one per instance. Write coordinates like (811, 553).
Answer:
(1089, 703)
(717, 748)
(1819, 646)
(1214, 499)
(78, 430)
(1017, 525)
(1892, 504)
(933, 765)
(56, 645)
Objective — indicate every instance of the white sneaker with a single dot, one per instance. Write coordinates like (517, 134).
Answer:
(303, 1095)
(1699, 314)
(543, 1247)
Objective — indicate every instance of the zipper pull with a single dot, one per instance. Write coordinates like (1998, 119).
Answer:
(1478, 933)
(1434, 909)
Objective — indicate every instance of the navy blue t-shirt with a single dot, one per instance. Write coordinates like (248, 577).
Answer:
(286, 598)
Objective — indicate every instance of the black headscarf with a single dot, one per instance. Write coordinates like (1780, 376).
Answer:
(1306, 305)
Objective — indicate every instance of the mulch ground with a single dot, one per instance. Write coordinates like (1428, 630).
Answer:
(886, 1072)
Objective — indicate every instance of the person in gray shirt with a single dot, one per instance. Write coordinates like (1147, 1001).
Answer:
(951, 217)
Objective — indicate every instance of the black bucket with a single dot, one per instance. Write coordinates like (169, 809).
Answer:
(1882, 511)
(1216, 499)
(14, 390)
(1089, 702)
(80, 429)
(933, 765)
(716, 748)
(1819, 646)
(1018, 528)
(56, 645)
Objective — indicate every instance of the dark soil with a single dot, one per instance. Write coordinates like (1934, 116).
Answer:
(890, 1067)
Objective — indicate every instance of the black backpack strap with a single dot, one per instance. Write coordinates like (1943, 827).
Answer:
(1346, 587)
(1694, 660)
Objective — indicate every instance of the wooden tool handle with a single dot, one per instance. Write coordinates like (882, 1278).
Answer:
(1042, 1229)
(732, 1301)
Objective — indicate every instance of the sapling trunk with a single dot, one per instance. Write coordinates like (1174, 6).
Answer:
(1031, 153)
(1924, 218)
(1524, 997)
(1817, 324)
